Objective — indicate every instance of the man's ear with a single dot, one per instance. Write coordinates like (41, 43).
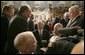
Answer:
(27, 48)
(5, 12)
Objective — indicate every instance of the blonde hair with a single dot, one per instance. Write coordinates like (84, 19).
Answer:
(24, 39)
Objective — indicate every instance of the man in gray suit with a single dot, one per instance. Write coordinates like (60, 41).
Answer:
(74, 15)
(17, 25)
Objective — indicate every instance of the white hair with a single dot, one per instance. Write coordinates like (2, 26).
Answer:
(24, 39)
(66, 13)
(74, 8)
(58, 24)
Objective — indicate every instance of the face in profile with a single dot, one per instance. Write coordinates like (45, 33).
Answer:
(33, 45)
(27, 13)
(71, 14)
(10, 13)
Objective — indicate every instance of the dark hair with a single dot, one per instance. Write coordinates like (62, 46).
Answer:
(16, 11)
(23, 8)
(6, 8)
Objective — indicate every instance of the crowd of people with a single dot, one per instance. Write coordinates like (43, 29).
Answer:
(21, 35)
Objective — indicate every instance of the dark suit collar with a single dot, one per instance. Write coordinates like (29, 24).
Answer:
(22, 16)
(3, 14)
(6, 16)
(37, 31)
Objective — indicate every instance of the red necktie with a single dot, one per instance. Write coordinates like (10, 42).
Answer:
(70, 22)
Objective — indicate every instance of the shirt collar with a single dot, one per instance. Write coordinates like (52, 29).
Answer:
(41, 31)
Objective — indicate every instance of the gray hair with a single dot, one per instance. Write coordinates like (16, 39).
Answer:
(66, 13)
(23, 39)
(58, 24)
(75, 7)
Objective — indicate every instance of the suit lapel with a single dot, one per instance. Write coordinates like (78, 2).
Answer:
(74, 21)
(38, 34)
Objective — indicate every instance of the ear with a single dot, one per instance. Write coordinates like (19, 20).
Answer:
(27, 48)
(6, 12)
(24, 12)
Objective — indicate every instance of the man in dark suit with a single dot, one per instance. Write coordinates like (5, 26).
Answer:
(62, 47)
(82, 17)
(46, 26)
(56, 20)
(74, 15)
(5, 18)
(65, 19)
(42, 35)
(17, 25)
(31, 23)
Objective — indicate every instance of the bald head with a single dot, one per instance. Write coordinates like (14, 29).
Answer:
(25, 42)
(78, 48)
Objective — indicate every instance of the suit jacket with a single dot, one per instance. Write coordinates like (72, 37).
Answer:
(4, 29)
(61, 47)
(45, 36)
(55, 21)
(82, 23)
(17, 25)
(31, 25)
(63, 22)
(46, 26)
(76, 22)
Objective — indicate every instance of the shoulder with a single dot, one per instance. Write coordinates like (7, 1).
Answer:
(78, 18)
(66, 44)
(19, 18)
(35, 31)
(45, 30)
(4, 17)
